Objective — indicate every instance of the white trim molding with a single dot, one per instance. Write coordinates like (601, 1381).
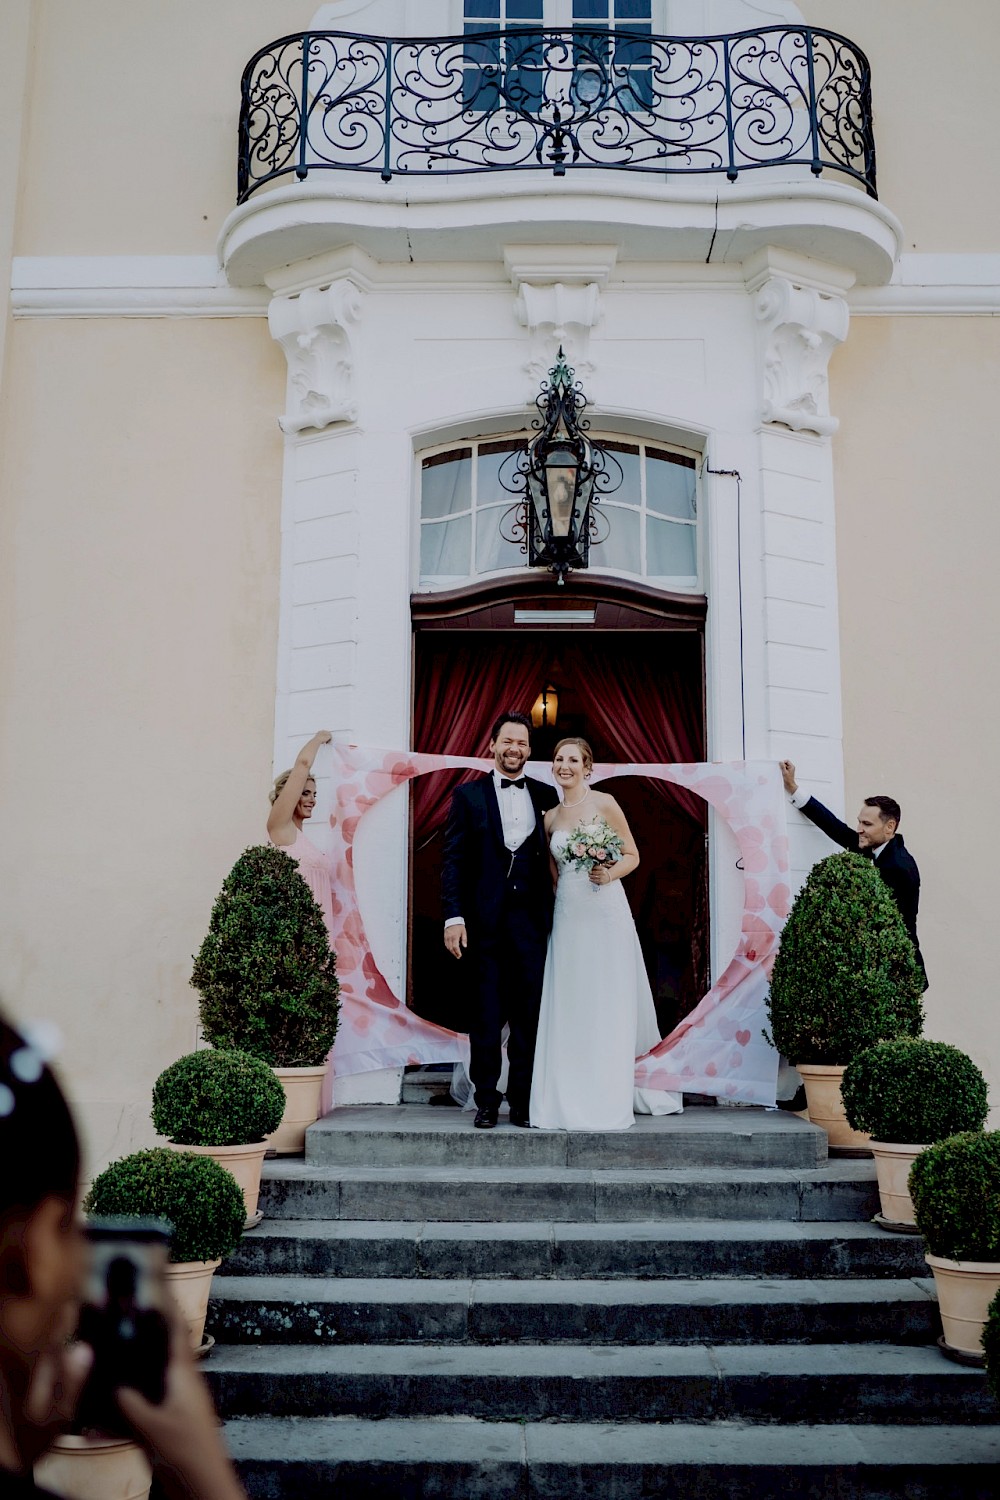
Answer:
(947, 286)
(129, 286)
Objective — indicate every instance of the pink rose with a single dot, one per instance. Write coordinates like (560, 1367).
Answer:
(600, 854)
(579, 850)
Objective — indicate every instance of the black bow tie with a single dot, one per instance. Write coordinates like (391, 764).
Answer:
(504, 783)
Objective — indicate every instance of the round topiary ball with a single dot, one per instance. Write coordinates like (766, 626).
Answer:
(215, 1098)
(845, 976)
(201, 1200)
(991, 1346)
(955, 1187)
(913, 1092)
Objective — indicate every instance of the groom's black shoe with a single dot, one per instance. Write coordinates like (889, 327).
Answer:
(485, 1118)
(517, 1118)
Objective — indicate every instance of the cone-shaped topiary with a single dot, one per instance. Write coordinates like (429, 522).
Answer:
(955, 1187)
(991, 1346)
(216, 1098)
(845, 976)
(266, 973)
(201, 1200)
(913, 1092)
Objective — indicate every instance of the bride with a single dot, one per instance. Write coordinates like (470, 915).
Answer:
(597, 1013)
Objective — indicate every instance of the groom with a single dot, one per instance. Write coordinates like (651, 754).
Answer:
(497, 893)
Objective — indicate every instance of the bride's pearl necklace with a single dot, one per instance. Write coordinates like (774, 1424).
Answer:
(578, 801)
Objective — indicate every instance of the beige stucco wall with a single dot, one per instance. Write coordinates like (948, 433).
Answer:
(937, 112)
(139, 534)
(918, 541)
(130, 146)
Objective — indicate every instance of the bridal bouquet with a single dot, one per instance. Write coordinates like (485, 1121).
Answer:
(592, 844)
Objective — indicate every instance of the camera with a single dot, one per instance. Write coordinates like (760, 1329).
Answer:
(124, 1318)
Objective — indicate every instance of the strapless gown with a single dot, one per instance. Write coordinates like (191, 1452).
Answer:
(597, 1014)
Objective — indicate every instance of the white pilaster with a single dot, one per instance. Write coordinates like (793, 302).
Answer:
(802, 316)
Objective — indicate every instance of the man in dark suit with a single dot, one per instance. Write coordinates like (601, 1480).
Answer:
(876, 837)
(496, 887)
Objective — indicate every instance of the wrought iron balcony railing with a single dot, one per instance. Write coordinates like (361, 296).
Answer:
(333, 100)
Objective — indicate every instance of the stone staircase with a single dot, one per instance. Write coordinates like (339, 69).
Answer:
(696, 1307)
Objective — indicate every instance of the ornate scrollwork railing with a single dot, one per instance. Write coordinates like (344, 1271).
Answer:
(781, 96)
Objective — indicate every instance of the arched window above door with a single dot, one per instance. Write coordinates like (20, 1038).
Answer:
(647, 529)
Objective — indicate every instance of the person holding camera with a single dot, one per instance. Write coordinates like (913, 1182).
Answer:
(43, 1269)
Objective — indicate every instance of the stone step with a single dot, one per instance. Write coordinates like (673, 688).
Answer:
(705, 1248)
(426, 1085)
(457, 1459)
(783, 1383)
(841, 1190)
(306, 1310)
(425, 1136)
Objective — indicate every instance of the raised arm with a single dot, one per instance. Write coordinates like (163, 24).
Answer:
(280, 827)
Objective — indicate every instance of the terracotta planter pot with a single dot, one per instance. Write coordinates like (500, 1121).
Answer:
(302, 1098)
(83, 1468)
(244, 1162)
(190, 1283)
(826, 1107)
(965, 1290)
(892, 1168)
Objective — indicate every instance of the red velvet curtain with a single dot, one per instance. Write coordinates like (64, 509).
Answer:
(462, 688)
(649, 710)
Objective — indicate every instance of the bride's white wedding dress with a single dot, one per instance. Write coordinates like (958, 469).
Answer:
(597, 1014)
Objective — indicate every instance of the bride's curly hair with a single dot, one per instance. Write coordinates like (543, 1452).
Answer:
(584, 749)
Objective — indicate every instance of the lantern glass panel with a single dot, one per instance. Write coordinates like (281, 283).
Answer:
(561, 486)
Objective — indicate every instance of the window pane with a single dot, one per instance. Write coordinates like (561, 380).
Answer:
(445, 549)
(632, 10)
(621, 550)
(670, 551)
(489, 490)
(483, 10)
(492, 551)
(524, 10)
(628, 493)
(446, 484)
(590, 10)
(669, 486)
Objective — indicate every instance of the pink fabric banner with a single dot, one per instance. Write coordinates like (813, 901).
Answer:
(719, 1049)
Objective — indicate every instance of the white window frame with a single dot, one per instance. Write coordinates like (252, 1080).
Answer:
(680, 584)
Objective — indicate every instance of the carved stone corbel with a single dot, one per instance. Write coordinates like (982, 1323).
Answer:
(312, 328)
(559, 299)
(559, 316)
(799, 327)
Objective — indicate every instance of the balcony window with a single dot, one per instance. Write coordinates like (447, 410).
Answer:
(648, 528)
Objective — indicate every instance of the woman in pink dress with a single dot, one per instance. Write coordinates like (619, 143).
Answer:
(293, 798)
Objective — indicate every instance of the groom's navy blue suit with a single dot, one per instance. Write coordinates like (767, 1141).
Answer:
(505, 901)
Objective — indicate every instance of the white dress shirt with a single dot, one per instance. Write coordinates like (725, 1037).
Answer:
(517, 818)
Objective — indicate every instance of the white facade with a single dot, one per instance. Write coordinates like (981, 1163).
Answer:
(700, 313)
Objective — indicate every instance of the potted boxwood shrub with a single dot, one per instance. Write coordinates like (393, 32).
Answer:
(201, 1200)
(268, 981)
(845, 977)
(991, 1346)
(909, 1093)
(223, 1105)
(955, 1186)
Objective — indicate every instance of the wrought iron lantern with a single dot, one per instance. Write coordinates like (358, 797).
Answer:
(561, 476)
